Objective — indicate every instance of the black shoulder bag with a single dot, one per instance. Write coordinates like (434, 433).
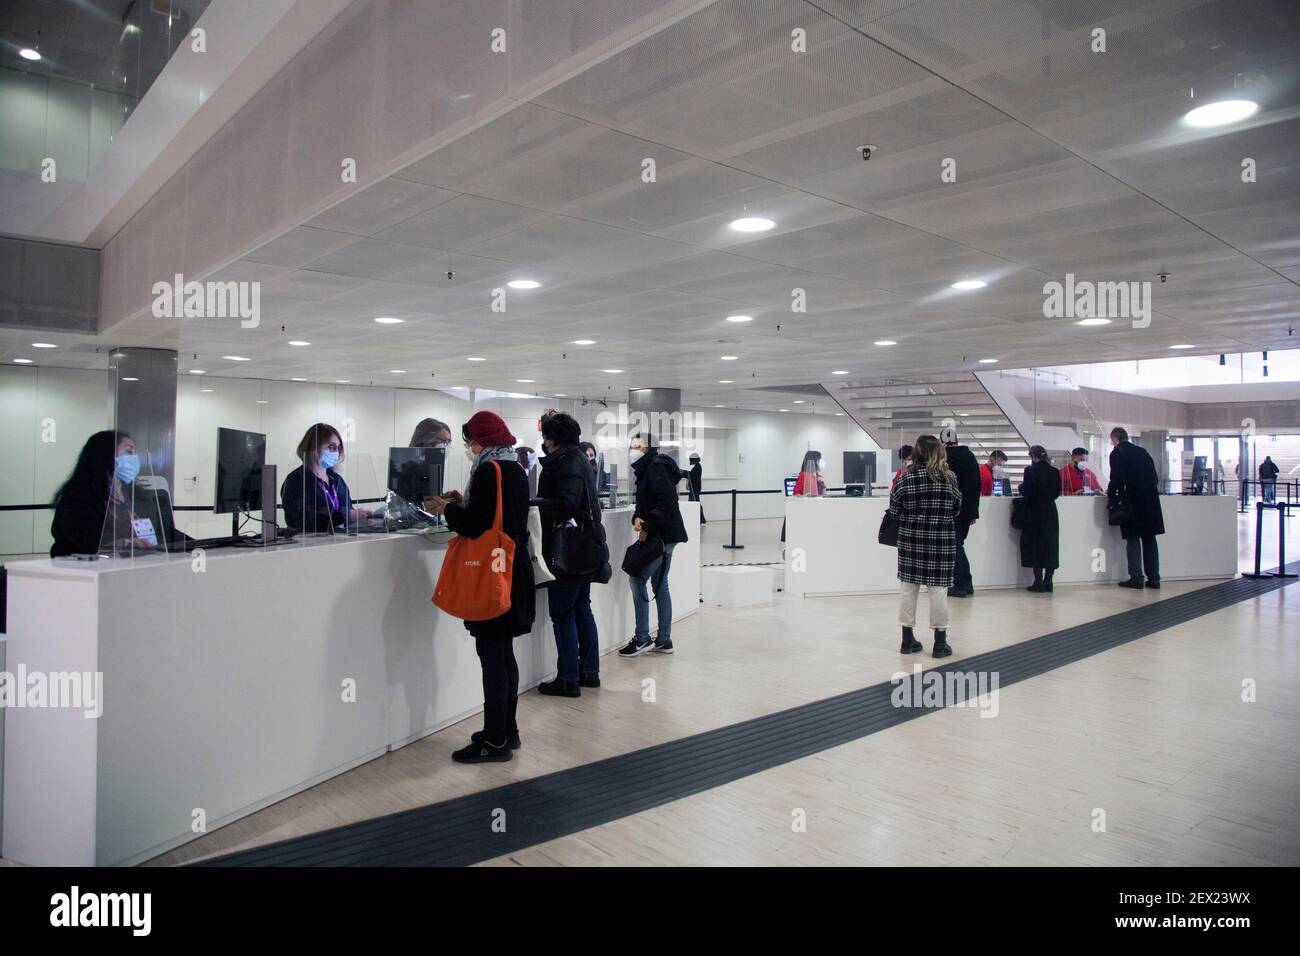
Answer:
(579, 549)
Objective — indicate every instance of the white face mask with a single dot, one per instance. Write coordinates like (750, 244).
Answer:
(469, 453)
(635, 455)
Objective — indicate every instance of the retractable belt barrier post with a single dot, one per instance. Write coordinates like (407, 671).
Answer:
(1282, 508)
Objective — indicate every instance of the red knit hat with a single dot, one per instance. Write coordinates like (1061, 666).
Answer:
(488, 429)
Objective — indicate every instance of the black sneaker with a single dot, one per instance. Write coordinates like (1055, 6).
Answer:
(1133, 583)
(559, 688)
(589, 680)
(514, 742)
(663, 647)
(1153, 583)
(960, 593)
(633, 648)
(482, 752)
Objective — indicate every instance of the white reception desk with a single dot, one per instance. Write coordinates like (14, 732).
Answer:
(831, 545)
(225, 689)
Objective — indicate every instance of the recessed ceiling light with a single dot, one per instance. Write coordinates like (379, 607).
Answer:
(752, 224)
(613, 371)
(725, 381)
(584, 341)
(297, 380)
(783, 409)
(44, 345)
(22, 361)
(207, 390)
(1221, 113)
(839, 413)
(476, 358)
(1182, 346)
(261, 401)
(299, 343)
(719, 406)
(197, 371)
(524, 284)
(884, 342)
(559, 395)
(389, 320)
(234, 358)
(840, 371)
(343, 381)
(27, 53)
(398, 371)
(966, 284)
(127, 378)
(729, 358)
(740, 318)
(525, 381)
(800, 401)
(1097, 321)
(988, 361)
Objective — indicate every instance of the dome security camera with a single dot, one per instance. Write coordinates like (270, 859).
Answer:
(866, 151)
(1163, 276)
(450, 274)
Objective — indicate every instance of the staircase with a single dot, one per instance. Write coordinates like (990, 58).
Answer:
(894, 413)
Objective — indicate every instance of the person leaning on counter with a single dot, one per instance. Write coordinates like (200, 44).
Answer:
(315, 496)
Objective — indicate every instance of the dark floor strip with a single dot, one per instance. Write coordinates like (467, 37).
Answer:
(460, 831)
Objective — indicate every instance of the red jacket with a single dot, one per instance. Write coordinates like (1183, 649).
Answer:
(1073, 481)
(986, 480)
(897, 475)
(801, 486)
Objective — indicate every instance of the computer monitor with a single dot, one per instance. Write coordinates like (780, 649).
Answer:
(789, 486)
(240, 458)
(416, 473)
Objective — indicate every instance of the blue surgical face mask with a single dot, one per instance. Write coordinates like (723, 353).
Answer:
(126, 467)
(328, 459)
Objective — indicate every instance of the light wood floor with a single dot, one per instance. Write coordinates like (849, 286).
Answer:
(1154, 733)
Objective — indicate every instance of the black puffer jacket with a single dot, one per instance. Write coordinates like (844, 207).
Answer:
(656, 497)
(560, 496)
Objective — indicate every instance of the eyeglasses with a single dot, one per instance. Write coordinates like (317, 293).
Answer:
(333, 446)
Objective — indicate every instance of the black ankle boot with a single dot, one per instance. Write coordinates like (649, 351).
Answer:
(910, 644)
(941, 648)
(1038, 581)
(1047, 580)
(559, 688)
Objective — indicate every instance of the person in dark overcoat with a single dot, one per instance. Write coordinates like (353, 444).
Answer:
(1040, 536)
(1135, 487)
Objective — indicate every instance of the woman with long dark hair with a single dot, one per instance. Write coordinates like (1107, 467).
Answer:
(926, 501)
(96, 490)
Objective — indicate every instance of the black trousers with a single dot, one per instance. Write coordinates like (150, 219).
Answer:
(961, 579)
(500, 687)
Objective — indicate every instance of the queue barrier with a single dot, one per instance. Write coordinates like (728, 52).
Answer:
(1283, 510)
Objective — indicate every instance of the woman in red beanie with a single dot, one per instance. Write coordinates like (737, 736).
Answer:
(488, 439)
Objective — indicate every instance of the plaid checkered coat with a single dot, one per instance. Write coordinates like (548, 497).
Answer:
(927, 538)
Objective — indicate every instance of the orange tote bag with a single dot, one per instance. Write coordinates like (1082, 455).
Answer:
(474, 584)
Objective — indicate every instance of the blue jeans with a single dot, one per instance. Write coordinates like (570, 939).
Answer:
(576, 639)
(658, 580)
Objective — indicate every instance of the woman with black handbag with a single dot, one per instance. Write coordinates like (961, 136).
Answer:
(573, 544)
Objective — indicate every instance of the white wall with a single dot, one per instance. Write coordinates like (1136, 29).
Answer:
(64, 406)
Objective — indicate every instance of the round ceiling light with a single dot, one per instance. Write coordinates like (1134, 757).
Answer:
(967, 284)
(752, 224)
(524, 284)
